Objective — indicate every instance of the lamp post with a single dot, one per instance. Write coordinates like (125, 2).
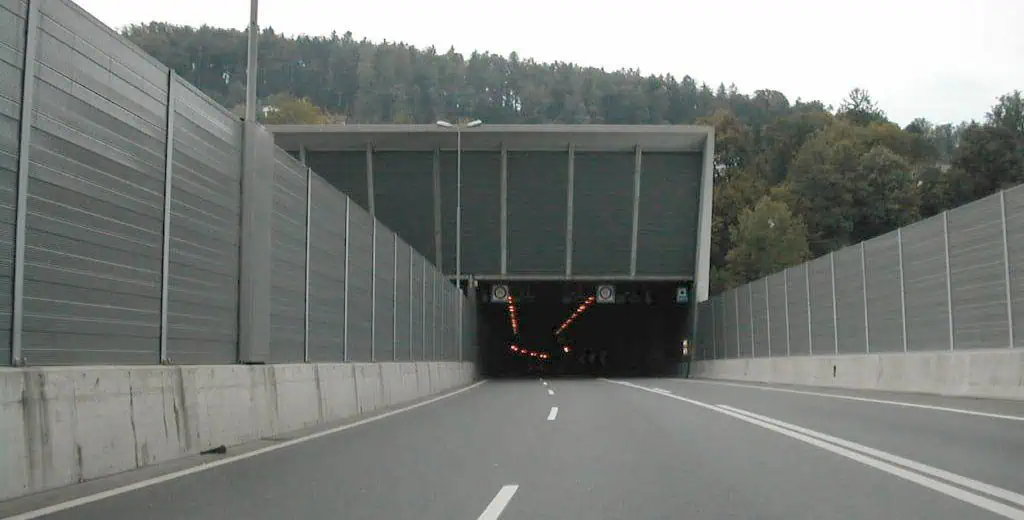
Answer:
(250, 70)
(458, 209)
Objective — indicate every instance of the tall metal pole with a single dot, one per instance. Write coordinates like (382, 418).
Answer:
(458, 231)
(250, 71)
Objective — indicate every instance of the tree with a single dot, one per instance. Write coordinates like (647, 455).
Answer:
(768, 238)
(860, 109)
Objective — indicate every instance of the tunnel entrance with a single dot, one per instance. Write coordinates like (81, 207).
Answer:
(568, 329)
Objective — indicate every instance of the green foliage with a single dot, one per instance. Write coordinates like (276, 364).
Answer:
(793, 179)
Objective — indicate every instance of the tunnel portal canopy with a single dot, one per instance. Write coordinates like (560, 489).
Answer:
(539, 202)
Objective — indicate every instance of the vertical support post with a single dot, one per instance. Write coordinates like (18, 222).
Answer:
(423, 303)
(504, 209)
(785, 304)
(309, 213)
(736, 305)
(810, 327)
(435, 333)
(394, 301)
(251, 69)
(864, 286)
(28, 91)
(412, 257)
(1006, 268)
(702, 262)
(371, 199)
(768, 315)
(255, 258)
(571, 172)
(165, 268)
(949, 279)
(637, 168)
(750, 309)
(903, 288)
(458, 207)
(714, 331)
(373, 295)
(348, 279)
(835, 312)
(438, 252)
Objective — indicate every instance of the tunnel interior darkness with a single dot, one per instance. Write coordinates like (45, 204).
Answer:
(640, 334)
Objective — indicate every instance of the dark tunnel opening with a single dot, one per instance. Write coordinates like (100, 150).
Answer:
(640, 334)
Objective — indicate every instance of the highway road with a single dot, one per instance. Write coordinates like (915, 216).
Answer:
(609, 449)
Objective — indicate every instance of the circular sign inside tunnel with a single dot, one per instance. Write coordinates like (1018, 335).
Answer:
(606, 293)
(499, 293)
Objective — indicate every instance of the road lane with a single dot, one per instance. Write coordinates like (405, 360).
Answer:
(606, 452)
(988, 449)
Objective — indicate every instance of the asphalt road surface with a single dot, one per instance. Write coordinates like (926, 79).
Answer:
(613, 449)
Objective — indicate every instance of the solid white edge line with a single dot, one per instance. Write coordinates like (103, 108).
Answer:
(976, 485)
(80, 501)
(499, 502)
(551, 392)
(553, 413)
(662, 390)
(935, 485)
(865, 399)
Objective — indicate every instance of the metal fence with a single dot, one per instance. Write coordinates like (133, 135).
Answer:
(141, 223)
(945, 283)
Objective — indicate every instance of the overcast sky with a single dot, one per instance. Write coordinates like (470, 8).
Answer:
(947, 60)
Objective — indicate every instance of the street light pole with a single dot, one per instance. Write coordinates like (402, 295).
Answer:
(250, 71)
(458, 211)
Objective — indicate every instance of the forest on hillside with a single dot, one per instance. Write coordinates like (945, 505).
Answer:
(795, 178)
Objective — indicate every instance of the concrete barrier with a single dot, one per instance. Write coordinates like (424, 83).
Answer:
(995, 374)
(64, 425)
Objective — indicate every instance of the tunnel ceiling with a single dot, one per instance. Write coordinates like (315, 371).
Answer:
(538, 201)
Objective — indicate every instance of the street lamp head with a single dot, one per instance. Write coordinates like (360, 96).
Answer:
(445, 124)
(475, 122)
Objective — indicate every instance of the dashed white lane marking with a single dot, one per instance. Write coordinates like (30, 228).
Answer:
(499, 502)
(553, 413)
(866, 400)
(70, 504)
(860, 453)
(551, 392)
(545, 383)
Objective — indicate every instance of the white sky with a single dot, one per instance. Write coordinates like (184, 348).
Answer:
(947, 60)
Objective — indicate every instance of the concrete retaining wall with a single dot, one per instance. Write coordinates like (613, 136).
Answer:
(60, 426)
(995, 374)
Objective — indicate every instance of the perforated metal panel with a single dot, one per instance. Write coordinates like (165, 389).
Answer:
(288, 261)
(384, 301)
(885, 310)
(346, 171)
(796, 296)
(759, 318)
(978, 275)
(823, 340)
(326, 272)
(12, 55)
(602, 227)
(730, 324)
(204, 239)
(403, 188)
(924, 267)
(850, 317)
(744, 323)
(360, 284)
(96, 188)
(418, 308)
(669, 204)
(721, 339)
(403, 303)
(481, 211)
(537, 196)
(1014, 200)
(777, 317)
